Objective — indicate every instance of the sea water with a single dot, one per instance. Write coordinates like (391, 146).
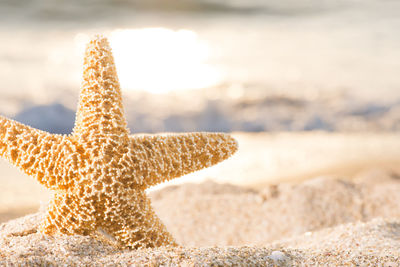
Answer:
(210, 65)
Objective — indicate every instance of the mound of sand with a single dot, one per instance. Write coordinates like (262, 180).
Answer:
(319, 221)
(210, 214)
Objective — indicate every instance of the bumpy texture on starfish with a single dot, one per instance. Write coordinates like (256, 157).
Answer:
(99, 173)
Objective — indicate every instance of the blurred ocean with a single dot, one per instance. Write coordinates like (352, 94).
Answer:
(212, 65)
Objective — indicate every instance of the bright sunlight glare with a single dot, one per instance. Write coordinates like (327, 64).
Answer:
(160, 60)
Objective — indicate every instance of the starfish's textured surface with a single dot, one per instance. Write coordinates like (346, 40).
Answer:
(99, 173)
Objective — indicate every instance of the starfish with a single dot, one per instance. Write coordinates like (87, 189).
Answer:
(99, 173)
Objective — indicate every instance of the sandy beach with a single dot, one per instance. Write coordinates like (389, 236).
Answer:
(319, 221)
(341, 209)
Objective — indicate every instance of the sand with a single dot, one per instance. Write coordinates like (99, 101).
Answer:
(238, 216)
(326, 220)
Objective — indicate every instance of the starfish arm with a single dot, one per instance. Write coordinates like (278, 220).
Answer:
(134, 224)
(35, 152)
(100, 108)
(161, 158)
(66, 214)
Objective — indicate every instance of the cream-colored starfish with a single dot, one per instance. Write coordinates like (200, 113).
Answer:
(99, 173)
